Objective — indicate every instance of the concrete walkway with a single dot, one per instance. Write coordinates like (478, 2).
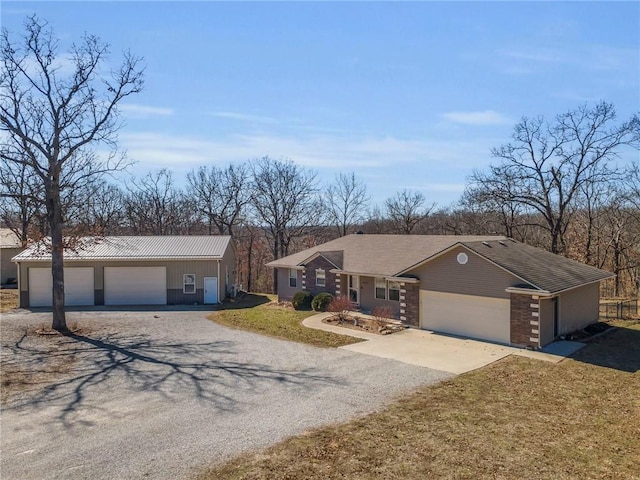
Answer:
(438, 351)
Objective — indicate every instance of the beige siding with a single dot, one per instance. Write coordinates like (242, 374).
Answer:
(175, 270)
(8, 269)
(477, 277)
(546, 321)
(578, 308)
(227, 264)
(285, 292)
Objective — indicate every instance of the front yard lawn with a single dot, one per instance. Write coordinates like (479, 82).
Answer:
(260, 313)
(517, 418)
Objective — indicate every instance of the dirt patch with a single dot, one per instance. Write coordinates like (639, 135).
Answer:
(364, 324)
(34, 357)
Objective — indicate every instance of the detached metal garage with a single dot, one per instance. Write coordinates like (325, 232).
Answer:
(133, 271)
(484, 318)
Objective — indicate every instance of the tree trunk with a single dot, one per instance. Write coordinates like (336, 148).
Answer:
(57, 258)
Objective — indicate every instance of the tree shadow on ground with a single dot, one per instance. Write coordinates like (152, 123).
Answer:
(618, 348)
(117, 365)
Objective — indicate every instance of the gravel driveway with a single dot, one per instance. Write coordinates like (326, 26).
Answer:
(151, 397)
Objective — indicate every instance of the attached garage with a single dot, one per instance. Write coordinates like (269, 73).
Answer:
(473, 316)
(135, 285)
(78, 286)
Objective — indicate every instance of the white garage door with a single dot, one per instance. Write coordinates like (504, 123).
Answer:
(466, 315)
(78, 286)
(135, 285)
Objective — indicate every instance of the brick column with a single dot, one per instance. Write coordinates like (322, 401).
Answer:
(525, 320)
(410, 303)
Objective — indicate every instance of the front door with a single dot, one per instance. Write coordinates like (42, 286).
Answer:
(354, 289)
(210, 289)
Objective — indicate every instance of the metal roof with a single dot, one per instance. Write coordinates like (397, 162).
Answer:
(136, 248)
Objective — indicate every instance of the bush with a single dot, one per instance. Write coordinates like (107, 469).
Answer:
(341, 306)
(302, 300)
(321, 301)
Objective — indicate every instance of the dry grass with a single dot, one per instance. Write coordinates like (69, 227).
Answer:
(261, 314)
(518, 418)
(8, 299)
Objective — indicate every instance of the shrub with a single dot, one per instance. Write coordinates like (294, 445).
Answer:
(321, 301)
(302, 300)
(341, 306)
(381, 316)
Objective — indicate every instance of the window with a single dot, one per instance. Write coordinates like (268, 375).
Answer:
(293, 278)
(381, 289)
(320, 277)
(394, 291)
(189, 283)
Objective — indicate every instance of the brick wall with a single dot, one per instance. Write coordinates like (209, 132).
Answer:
(410, 303)
(309, 277)
(525, 320)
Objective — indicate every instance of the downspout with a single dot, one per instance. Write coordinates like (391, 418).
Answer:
(20, 287)
(219, 281)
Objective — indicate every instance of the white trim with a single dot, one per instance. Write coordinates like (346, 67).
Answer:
(184, 283)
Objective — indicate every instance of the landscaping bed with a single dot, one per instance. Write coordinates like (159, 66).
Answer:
(365, 324)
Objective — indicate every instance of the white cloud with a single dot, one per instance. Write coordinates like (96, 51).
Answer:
(244, 117)
(486, 117)
(143, 111)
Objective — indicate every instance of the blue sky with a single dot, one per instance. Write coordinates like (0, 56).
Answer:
(406, 95)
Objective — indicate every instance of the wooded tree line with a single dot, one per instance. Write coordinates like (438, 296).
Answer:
(274, 207)
(556, 184)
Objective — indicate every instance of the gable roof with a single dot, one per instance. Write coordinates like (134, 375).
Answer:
(545, 270)
(378, 254)
(396, 255)
(174, 247)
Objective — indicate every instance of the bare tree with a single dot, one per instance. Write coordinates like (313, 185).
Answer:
(153, 205)
(406, 209)
(20, 200)
(284, 197)
(547, 164)
(51, 119)
(221, 195)
(346, 201)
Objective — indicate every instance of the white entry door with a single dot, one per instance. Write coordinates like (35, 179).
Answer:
(135, 285)
(78, 286)
(210, 289)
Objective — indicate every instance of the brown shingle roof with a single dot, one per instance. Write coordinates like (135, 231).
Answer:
(541, 268)
(379, 254)
(390, 255)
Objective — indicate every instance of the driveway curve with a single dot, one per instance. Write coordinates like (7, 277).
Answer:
(157, 394)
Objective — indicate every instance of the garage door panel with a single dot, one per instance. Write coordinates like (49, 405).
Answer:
(466, 315)
(78, 286)
(135, 285)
